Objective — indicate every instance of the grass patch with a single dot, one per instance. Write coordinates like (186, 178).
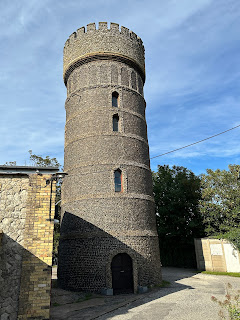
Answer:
(87, 296)
(216, 273)
(55, 304)
(164, 284)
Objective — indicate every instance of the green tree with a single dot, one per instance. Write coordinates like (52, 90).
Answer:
(11, 163)
(220, 204)
(43, 162)
(177, 194)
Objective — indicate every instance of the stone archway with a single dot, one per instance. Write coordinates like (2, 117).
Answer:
(122, 274)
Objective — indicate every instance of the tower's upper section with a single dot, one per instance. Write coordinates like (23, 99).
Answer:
(105, 44)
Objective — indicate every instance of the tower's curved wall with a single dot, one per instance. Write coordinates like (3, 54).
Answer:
(97, 222)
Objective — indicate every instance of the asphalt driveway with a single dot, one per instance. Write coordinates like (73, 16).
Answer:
(187, 297)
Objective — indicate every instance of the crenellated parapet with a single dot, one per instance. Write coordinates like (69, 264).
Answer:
(91, 44)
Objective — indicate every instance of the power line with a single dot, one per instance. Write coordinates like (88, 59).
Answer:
(191, 144)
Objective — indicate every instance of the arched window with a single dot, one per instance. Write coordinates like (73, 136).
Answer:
(133, 80)
(118, 180)
(115, 99)
(115, 122)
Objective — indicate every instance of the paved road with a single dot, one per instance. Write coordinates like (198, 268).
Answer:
(188, 297)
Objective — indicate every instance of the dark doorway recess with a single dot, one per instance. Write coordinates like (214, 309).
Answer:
(122, 274)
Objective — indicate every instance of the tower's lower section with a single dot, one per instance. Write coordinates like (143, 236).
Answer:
(98, 249)
(87, 262)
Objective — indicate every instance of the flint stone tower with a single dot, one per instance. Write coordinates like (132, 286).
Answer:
(108, 227)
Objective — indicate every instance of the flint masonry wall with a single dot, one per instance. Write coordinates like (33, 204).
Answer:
(90, 43)
(26, 245)
(97, 222)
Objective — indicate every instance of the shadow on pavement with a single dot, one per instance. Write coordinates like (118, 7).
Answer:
(172, 274)
(78, 305)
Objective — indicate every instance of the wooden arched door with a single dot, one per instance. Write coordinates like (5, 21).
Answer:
(122, 274)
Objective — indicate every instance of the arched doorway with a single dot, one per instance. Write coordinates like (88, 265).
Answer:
(122, 274)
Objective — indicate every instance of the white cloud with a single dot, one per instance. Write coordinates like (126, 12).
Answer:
(18, 15)
(192, 88)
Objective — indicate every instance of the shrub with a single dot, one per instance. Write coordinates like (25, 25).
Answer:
(230, 307)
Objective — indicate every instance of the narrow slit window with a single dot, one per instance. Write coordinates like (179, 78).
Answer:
(69, 85)
(115, 99)
(118, 180)
(115, 122)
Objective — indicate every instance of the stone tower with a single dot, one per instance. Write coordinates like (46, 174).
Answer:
(108, 227)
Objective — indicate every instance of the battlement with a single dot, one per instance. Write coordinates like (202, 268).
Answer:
(89, 41)
(103, 27)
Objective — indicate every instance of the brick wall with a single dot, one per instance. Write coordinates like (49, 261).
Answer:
(27, 206)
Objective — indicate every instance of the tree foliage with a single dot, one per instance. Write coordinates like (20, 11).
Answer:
(10, 163)
(220, 204)
(177, 194)
(43, 162)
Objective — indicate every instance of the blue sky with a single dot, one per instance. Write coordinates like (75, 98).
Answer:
(192, 88)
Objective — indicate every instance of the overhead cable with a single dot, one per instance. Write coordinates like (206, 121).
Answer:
(191, 144)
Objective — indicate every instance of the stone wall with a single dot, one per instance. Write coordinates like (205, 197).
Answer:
(13, 204)
(27, 207)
